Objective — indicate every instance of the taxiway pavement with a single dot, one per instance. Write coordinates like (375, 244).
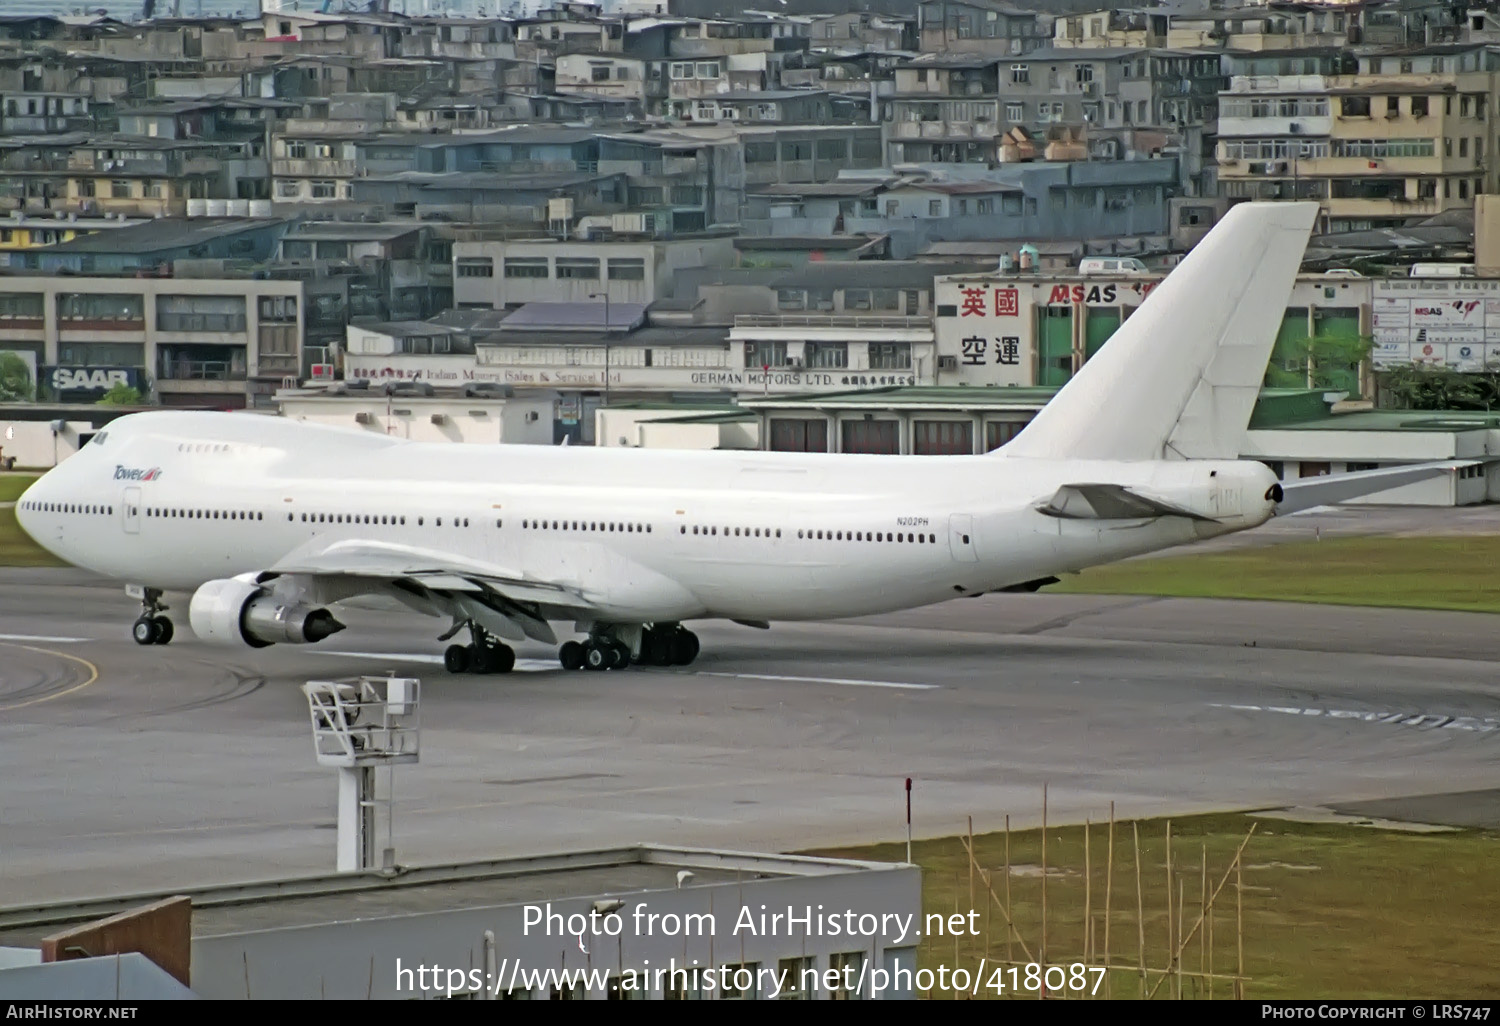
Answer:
(125, 768)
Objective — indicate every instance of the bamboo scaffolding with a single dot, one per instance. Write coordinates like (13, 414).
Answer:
(1233, 868)
(1140, 910)
(1109, 891)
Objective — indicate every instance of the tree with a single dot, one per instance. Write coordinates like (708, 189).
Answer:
(121, 394)
(1322, 361)
(15, 379)
(1421, 387)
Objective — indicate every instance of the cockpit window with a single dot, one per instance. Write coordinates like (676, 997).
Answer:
(100, 438)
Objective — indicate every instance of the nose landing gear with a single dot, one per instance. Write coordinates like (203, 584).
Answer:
(151, 627)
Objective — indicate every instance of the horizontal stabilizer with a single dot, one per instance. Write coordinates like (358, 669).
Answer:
(1110, 502)
(1308, 492)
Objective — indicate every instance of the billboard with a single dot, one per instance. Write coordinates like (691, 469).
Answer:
(90, 381)
(1436, 323)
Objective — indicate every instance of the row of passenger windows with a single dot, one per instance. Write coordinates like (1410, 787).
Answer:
(387, 519)
(203, 514)
(816, 535)
(68, 507)
(583, 525)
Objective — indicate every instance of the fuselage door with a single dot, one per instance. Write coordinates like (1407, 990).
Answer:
(130, 511)
(961, 538)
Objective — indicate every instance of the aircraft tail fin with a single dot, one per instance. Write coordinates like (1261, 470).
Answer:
(1180, 377)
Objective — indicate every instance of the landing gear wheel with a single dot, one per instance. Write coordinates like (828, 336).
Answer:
(163, 630)
(144, 631)
(656, 648)
(684, 647)
(622, 655)
(481, 659)
(598, 657)
(456, 659)
(503, 658)
(571, 655)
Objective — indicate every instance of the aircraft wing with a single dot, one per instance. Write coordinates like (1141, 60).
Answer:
(1307, 492)
(505, 601)
(1110, 502)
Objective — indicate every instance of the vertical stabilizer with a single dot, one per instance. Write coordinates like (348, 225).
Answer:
(1179, 378)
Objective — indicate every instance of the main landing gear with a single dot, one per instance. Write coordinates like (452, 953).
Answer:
(665, 645)
(485, 654)
(151, 628)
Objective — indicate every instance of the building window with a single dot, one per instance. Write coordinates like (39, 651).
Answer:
(848, 970)
(119, 189)
(765, 354)
(708, 69)
(526, 267)
(682, 70)
(791, 299)
(881, 437)
(1020, 74)
(281, 309)
(78, 306)
(832, 149)
(760, 153)
(599, 73)
(998, 432)
(1015, 112)
(789, 435)
(21, 306)
(856, 299)
(934, 208)
(580, 268)
(1354, 106)
(827, 355)
(325, 190)
(474, 267)
(942, 437)
(986, 206)
(627, 269)
(287, 190)
(890, 356)
(200, 313)
(296, 149)
(796, 150)
(798, 978)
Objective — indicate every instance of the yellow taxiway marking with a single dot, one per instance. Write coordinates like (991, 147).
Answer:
(93, 676)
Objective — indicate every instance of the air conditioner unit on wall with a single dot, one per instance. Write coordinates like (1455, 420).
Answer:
(947, 363)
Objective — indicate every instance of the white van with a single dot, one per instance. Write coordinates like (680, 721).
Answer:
(1112, 265)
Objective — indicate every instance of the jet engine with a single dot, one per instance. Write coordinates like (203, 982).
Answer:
(238, 611)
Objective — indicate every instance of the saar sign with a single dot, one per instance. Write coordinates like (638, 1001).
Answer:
(90, 379)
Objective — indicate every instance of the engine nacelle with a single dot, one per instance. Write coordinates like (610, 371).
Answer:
(236, 611)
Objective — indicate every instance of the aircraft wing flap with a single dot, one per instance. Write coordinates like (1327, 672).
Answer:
(432, 570)
(1110, 502)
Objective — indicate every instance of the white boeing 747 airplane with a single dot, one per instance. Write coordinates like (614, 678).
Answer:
(266, 526)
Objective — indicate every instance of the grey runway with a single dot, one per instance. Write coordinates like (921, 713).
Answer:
(128, 768)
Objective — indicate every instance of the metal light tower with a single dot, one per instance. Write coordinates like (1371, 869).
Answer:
(362, 725)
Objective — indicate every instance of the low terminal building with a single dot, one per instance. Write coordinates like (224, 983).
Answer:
(633, 922)
(421, 412)
(1297, 432)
